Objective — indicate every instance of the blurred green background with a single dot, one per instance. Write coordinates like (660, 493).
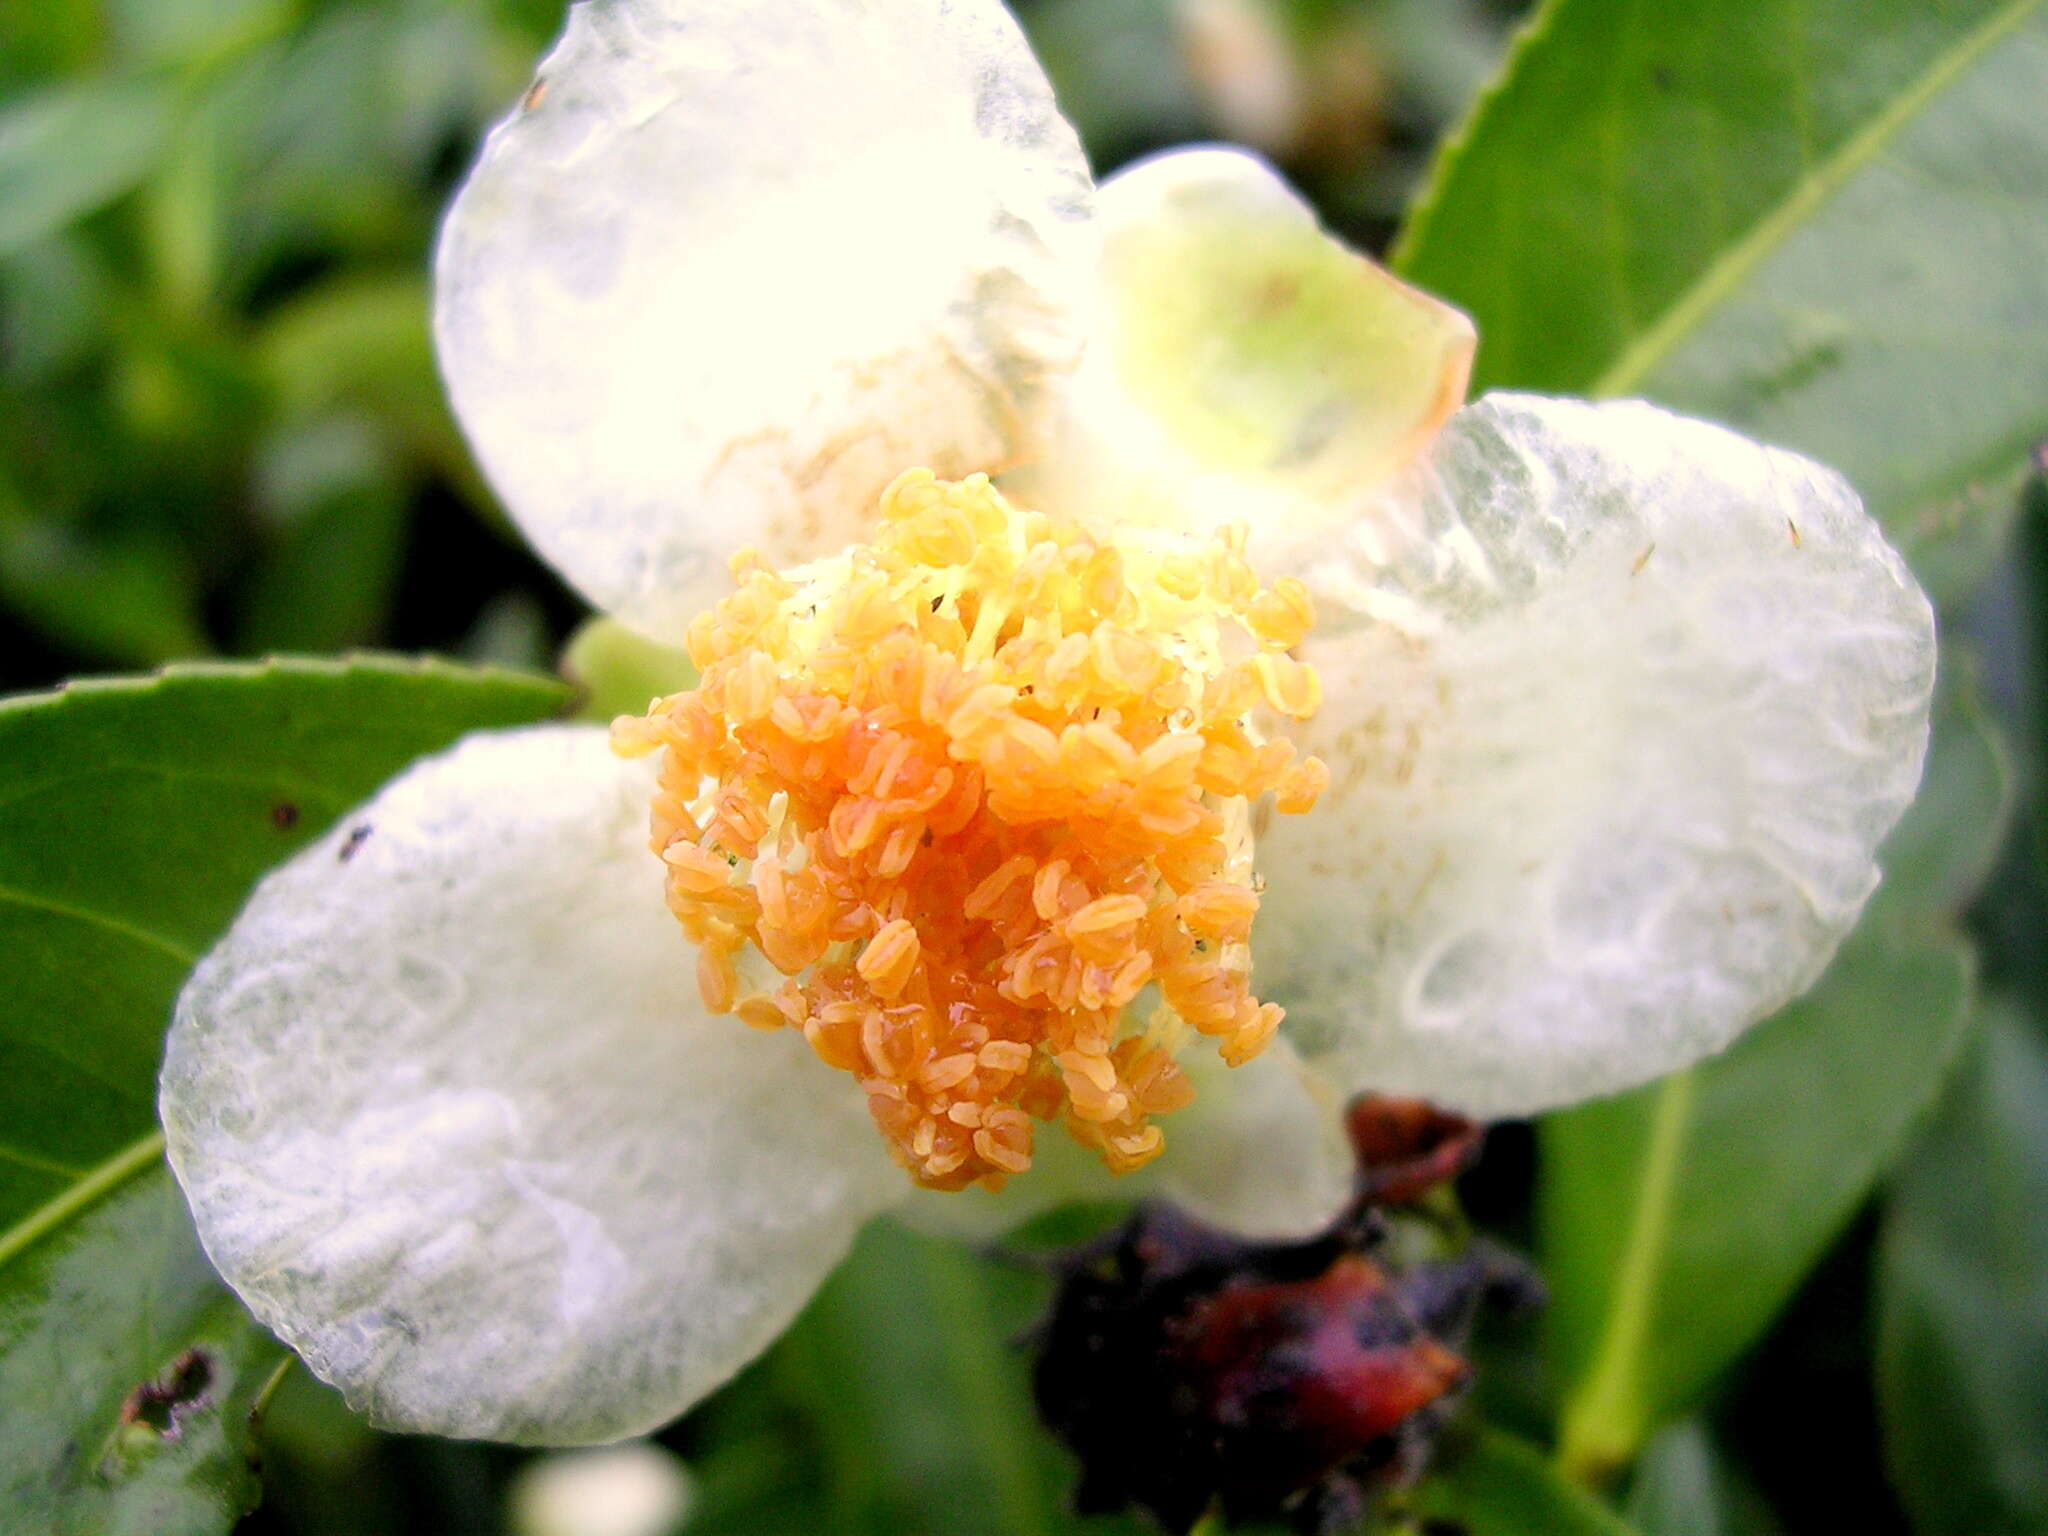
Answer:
(1800, 1291)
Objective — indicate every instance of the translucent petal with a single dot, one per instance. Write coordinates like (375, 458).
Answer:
(1247, 367)
(1618, 707)
(1261, 1150)
(453, 1124)
(730, 268)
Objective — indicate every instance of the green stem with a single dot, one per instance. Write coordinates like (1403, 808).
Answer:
(1605, 1418)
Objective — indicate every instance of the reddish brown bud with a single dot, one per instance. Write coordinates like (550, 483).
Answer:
(1407, 1147)
(1191, 1369)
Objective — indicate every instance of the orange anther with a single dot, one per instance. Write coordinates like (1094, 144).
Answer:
(968, 787)
(890, 959)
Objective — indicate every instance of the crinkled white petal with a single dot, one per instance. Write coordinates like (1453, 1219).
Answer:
(1618, 707)
(1246, 367)
(1261, 1150)
(453, 1124)
(732, 267)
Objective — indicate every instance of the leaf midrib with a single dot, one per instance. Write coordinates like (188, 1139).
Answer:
(1601, 1419)
(137, 1157)
(1816, 186)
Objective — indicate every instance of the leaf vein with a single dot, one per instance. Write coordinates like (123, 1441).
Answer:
(1727, 271)
(137, 1157)
(135, 932)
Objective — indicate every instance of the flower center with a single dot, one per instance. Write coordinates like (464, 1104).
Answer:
(980, 792)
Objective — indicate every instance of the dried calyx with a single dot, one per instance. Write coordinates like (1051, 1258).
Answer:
(971, 806)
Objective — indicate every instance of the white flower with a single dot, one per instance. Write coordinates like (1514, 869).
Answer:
(1617, 707)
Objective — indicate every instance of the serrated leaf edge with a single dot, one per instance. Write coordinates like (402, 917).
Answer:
(369, 662)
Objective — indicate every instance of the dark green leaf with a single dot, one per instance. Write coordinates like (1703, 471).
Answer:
(1823, 221)
(923, 1414)
(327, 582)
(1942, 851)
(1676, 1491)
(1498, 1485)
(361, 344)
(134, 816)
(351, 341)
(128, 603)
(1119, 71)
(1684, 1486)
(336, 127)
(1963, 1300)
(59, 296)
(1678, 1219)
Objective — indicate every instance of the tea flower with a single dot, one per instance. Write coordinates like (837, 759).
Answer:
(1516, 753)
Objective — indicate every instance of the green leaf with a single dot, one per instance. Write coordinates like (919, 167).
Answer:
(352, 340)
(1963, 1300)
(1822, 221)
(130, 1373)
(134, 816)
(129, 603)
(360, 343)
(59, 291)
(620, 671)
(1943, 850)
(923, 1415)
(1119, 71)
(68, 149)
(329, 580)
(189, 31)
(1678, 1219)
(1500, 1485)
(1684, 1486)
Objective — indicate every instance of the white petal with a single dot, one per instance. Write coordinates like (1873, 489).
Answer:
(1619, 706)
(1261, 1150)
(732, 267)
(1247, 367)
(452, 1123)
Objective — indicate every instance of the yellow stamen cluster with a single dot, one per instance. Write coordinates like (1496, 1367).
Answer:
(972, 789)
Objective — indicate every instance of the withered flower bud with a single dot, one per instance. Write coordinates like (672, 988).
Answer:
(1189, 1368)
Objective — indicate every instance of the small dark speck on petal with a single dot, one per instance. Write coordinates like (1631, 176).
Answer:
(353, 843)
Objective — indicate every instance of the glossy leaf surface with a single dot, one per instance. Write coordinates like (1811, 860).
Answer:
(1963, 1299)
(1824, 222)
